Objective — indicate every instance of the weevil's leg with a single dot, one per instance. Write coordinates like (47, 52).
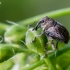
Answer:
(52, 43)
(47, 45)
(38, 36)
(53, 48)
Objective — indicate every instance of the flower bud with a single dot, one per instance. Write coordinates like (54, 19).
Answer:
(37, 45)
(15, 34)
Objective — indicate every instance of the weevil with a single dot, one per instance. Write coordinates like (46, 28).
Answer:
(54, 31)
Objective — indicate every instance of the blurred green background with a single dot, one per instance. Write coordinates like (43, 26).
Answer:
(18, 10)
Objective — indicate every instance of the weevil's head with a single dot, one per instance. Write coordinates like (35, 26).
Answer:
(47, 23)
(44, 23)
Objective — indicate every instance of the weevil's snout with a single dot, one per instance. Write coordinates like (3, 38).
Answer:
(35, 28)
(38, 25)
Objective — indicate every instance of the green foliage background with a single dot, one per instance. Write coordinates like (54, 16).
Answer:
(16, 50)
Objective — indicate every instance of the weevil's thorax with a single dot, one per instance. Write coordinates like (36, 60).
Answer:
(48, 22)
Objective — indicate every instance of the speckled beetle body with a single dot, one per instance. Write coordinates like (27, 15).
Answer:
(53, 30)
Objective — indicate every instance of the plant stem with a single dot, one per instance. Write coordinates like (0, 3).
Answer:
(53, 14)
(34, 65)
(49, 64)
(58, 53)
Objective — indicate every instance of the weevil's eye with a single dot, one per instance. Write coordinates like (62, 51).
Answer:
(42, 21)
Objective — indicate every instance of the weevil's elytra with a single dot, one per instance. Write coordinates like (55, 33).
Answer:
(53, 30)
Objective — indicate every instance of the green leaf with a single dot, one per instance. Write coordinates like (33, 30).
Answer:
(8, 50)
(38, 45)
